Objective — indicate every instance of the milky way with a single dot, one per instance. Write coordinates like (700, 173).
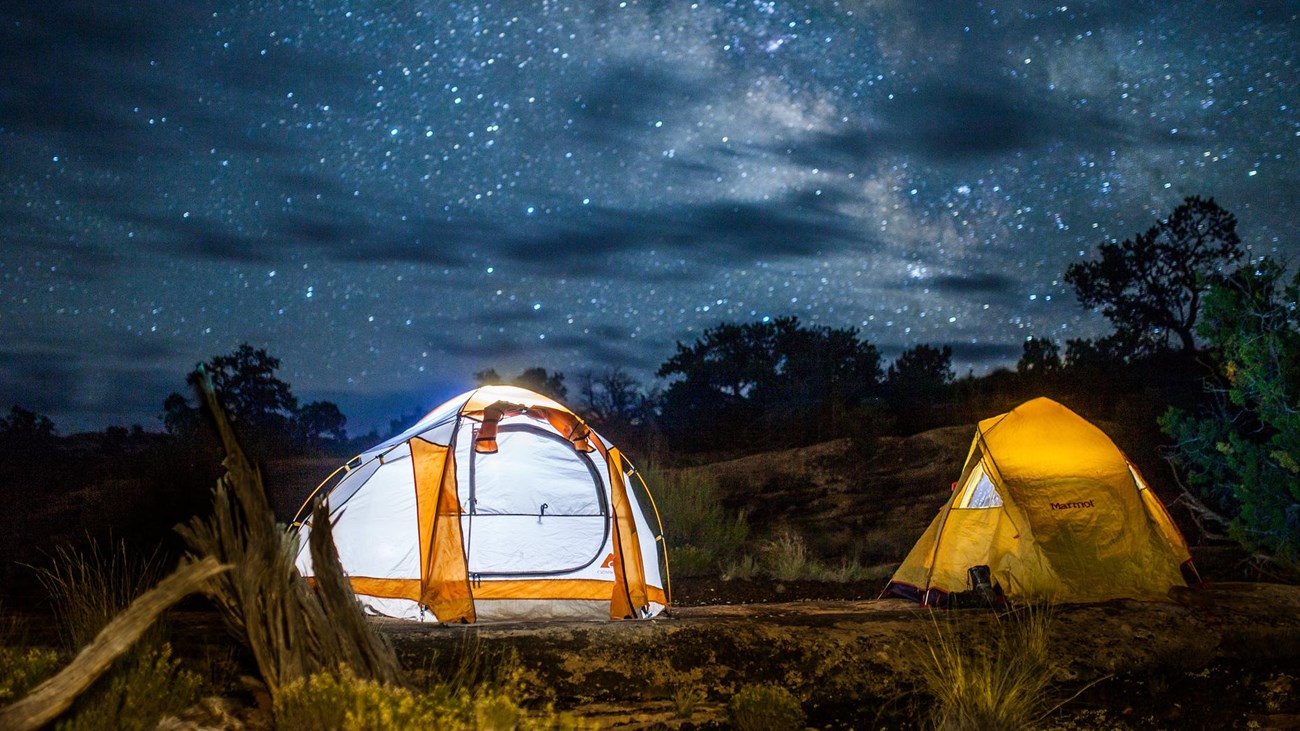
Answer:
(392, 196)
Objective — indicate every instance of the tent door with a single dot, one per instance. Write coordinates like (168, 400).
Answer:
(537, 507)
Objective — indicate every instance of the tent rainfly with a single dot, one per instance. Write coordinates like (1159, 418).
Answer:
(499, 504)
(1055, 510)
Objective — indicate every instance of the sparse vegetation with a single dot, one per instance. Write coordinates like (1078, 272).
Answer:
(765, 708)
(143, 688)
(340, 700)
(702, 536)
(786, 557)
(984, 675)
(21, 668)
(88, 588)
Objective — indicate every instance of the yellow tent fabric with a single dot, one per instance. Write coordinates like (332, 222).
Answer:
(1055, 510)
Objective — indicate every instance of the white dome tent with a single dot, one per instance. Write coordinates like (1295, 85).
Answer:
(500, 504)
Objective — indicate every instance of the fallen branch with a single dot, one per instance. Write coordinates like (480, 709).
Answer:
(54, 696)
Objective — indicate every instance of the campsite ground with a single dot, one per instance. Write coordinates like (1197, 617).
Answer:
(1224, 657)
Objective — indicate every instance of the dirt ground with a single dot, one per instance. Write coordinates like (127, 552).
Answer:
(1224, 657)
(1221, 658)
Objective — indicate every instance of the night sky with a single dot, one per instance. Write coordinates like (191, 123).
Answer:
(390, 196)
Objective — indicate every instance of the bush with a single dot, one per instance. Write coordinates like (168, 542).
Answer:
(23, 668)
(765, 708)
(349, 703)
(135, 695)
(345, 702)
(700, 534)
(1242, 452)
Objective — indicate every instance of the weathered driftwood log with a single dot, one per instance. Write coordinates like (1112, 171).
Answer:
(292, 630)
(52, 697)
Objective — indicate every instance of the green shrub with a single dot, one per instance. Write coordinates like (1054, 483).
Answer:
(1241, 449)
(142, 689)
(691, 561)
(701, 535)
(22, 668)
(988, 676)
(765, 708)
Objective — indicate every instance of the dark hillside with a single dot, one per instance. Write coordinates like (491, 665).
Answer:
(869, 500)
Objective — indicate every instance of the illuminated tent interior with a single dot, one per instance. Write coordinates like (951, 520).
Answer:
(1055, 511)
(500, 504)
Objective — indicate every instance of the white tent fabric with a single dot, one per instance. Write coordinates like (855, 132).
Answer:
(544, 530)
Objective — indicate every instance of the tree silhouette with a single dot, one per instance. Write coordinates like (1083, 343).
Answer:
(25, 432)
(1039, 355)
(776, 380)
(261, 407)
(730, 359)
(921, 371)
(1150, 287)
(534, 379)
(254, 398)
(320, 424)
(615, 397)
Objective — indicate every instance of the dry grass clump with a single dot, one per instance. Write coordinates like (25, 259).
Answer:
(88, 588)
(686, 700)
(785, 557)
(701, 535)
(765, 708)
(985, 676)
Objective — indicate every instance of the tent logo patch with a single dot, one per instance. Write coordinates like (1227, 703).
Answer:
(1073, 505)
(609, 562)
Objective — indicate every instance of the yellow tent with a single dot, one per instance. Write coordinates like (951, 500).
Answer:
(1055, 510)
